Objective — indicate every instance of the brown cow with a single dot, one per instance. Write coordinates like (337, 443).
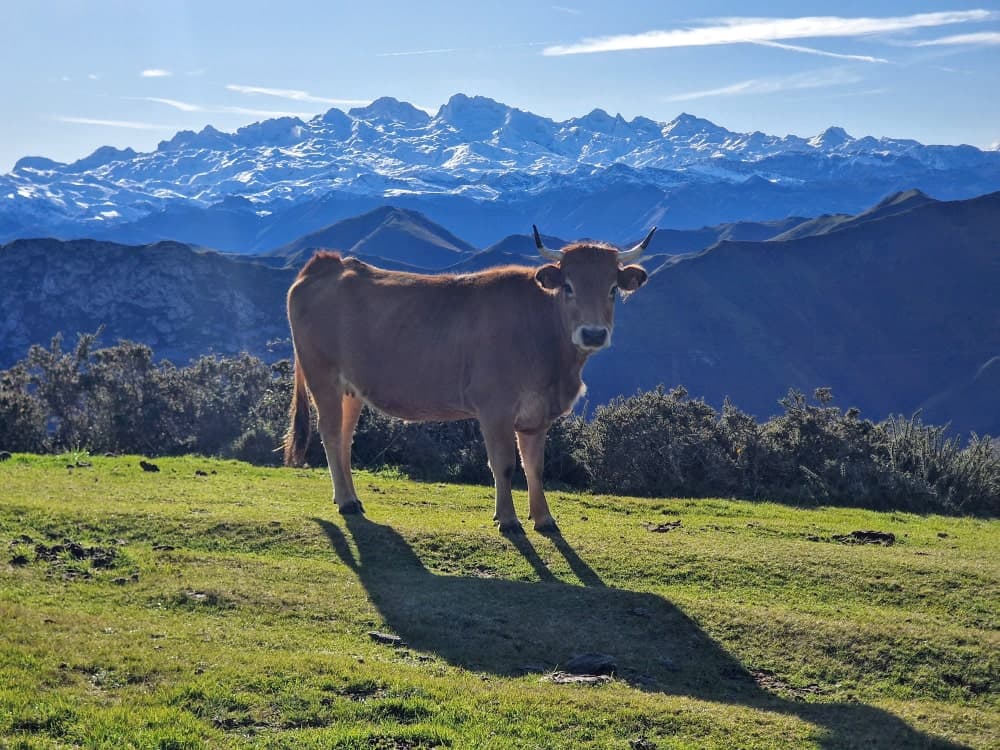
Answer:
(505, 346)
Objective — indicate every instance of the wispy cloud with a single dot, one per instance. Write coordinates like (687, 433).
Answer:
(452, 50)
(821, 52)
(294, 94)
(438, 51)
(743, 30)
(94, 76)
(566, 9)
(979, 38)
(810, 80)
(182, 106)
(155, 73)
(225, 110)
(132, 125)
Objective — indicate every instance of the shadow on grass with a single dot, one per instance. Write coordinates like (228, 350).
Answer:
(515, 627)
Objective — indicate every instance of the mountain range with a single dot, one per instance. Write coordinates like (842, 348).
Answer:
(477, 166)
(894, 307)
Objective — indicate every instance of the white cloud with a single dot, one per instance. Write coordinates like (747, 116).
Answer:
(93, 76)
(439, 51)
(112, 123)
(743, 30)
(294, 94)
(155, 73)
(811, 80)
(566, 9)
(225, 110)
(182, 106)
(983, 37)
(821, 52)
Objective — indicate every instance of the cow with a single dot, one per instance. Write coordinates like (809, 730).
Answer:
(505, 346)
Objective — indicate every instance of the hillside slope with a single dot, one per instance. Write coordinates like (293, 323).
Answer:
(212, 604)
(893, 310)
(889, 313)
(395, 234)
(180, 301)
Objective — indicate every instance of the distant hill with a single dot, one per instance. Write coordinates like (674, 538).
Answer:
(180, 301)
(395, 234)
(897, 309)
(889, 313)
(896, 203)
(971, 403)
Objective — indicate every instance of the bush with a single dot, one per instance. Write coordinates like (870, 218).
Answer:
(659, 443)
(22, 417)
(655, 443)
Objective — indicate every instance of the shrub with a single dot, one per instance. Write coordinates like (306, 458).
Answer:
(659, 443)
(656, 443)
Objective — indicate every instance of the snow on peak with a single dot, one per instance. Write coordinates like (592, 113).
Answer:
(388, 109)
(832, 137)
(473, 147)
(475, 115)
(686, 126)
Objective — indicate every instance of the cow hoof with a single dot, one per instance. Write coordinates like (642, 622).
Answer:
(548, 526)
(511, 527)
(352, 508)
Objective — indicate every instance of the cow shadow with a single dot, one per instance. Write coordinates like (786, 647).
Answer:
(511, 628)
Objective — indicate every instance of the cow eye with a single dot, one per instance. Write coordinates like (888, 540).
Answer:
(614, 288)
(568, 288)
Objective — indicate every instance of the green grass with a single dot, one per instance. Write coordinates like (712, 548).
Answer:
(231, 608)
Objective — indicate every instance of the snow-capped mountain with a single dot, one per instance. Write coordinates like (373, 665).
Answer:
(482, 159)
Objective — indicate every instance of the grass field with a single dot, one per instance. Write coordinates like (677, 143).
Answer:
(215, 604)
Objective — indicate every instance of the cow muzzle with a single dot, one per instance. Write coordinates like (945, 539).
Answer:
(591, 338)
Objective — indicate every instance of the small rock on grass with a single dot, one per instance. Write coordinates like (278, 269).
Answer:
(386, 638)
(148, 466)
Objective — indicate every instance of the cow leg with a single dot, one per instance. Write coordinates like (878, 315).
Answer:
(532, 447)
(499, 437)
(351, 407)
(329, 406)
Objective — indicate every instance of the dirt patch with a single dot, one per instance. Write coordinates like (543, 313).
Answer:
(885, 538)
(69, 556)
(767, 680)
(565, 678)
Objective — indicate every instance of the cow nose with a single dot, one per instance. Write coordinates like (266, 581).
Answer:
(593, 337)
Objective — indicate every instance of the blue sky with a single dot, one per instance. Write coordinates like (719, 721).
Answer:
(76, 75)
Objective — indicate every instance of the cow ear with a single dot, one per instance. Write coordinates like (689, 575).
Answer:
(631, 278)
(549, 277)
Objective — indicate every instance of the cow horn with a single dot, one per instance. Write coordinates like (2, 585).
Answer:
(544, 251)
(630, 256)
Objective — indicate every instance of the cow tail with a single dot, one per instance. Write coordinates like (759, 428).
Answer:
(299, 425)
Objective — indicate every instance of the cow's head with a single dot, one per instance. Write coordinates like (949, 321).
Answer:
(586, 277)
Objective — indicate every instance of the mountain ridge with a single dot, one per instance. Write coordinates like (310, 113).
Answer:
(478, 166)
(892, 312)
